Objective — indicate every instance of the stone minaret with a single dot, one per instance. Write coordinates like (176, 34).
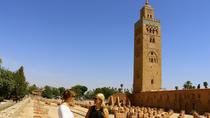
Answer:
(147, 51)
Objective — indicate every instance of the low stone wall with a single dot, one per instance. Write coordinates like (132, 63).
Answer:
(4, 105)
(188, 100)
(119, 99)
(14, 110)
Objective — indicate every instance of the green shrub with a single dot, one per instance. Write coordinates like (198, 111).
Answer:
(1, 99)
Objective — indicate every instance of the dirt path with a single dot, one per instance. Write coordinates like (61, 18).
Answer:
(38, 109)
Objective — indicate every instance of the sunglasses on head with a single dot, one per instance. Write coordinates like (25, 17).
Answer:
(95, 98)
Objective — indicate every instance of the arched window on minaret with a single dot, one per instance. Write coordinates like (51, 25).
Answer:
(152, 57)
(152, 40)
(152, 81)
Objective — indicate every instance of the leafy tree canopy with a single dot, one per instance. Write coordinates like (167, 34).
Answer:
(205, 84)
(79, 90)
(107, 91)
(47, 93)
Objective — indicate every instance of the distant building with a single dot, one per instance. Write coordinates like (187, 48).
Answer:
(37, 92)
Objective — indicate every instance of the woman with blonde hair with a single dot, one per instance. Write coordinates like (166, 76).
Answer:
(98, 110)
(64, 109)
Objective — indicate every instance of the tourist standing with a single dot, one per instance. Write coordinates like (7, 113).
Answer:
(64, 109)
(98, 110)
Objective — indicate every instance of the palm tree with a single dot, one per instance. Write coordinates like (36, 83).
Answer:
(205, 84)
(121, 87)
(176, 87)
(199, 86)
(188, 85)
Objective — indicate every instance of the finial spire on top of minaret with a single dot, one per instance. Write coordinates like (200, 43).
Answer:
(147, 2)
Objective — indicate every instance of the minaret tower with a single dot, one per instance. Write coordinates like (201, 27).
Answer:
(147, 51)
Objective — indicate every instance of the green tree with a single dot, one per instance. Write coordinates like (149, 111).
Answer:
(188, 85)
(107, 91)
(205, 84)
(12, 84)
(55, 92)
(61, 90)
(7, 83)
(79, 90)
(20, 84)
(47, 93)
(176, 87)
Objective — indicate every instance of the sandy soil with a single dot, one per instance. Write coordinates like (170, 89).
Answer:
(38, 109)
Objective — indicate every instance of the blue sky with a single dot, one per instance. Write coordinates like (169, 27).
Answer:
(90, 42)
